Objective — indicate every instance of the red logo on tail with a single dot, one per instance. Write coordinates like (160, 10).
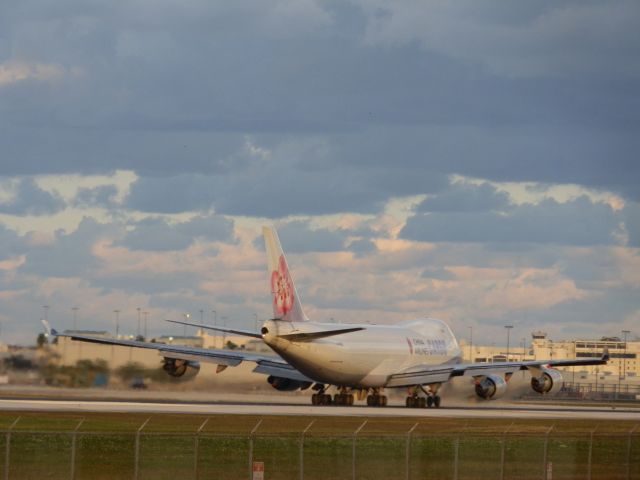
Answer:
(282, 288)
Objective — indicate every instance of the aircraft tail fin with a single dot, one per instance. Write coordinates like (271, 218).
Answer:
(286, 302)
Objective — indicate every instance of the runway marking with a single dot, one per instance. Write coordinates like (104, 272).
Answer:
(301, 410)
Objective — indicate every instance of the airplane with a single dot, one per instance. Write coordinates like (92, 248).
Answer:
(358, 360)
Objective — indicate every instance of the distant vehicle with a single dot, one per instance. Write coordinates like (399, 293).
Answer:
(138, 383)
(360, 359)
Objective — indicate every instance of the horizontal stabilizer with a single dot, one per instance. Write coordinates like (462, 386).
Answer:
(307, 337)
(244, 333)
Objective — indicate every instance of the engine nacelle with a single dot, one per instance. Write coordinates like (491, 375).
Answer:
(491, 387)
(178, 368)
(286, 384)
(549, 379)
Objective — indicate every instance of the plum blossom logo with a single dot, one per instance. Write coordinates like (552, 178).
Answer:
(282, 288)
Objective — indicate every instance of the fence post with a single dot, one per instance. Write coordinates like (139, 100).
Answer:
(456, 450)
(590, 453)
(545, 452)
(7, 451)
(255, 429)
(137, 452)
(302, 449)
(196, 445)
(407, 456)
(353, 452)
(629, 451)
(503, 449)
(73, 449)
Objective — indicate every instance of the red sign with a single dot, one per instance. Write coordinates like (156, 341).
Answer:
(258, 470)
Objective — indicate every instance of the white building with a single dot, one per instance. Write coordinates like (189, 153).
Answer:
(623, 363)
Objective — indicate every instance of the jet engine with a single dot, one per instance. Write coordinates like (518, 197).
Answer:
(177, 367)
(286, 384)
(491, 387)
(548, 380)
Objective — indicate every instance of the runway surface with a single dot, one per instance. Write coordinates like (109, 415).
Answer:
(515, 411)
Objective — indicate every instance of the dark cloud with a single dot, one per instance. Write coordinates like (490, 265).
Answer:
(12, 243)
(362, 247)
(392, 95)
(70, 254)
(157, 234)
(577, 222)
(277, 189)
(29, 199)
(631, 215)
(301, 237)
(466, 198)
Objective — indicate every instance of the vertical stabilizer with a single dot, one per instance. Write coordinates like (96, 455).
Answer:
(286, 302)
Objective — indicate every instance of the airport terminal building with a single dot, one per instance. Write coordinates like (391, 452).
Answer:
(623, 363)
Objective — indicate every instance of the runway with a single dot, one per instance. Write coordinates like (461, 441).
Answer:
(509, 411)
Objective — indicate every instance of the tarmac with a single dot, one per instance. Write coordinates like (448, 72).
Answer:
(97, 400)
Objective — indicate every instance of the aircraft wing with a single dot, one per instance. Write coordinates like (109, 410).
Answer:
(265, 364)
(429, 374)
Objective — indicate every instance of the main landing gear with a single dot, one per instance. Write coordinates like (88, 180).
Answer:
(376, 399)
(432, 399)
(345, 398)
(321, 399)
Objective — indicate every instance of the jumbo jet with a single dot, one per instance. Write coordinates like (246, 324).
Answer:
(355, 360)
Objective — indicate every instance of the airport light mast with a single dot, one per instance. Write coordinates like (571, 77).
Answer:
(508, 327)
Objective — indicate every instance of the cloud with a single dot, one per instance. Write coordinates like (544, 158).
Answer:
(103, 196)
(542, 39)
(436, 273)
(13, 72)
(577, 222)
(27, 198)
(12, 243)
(300, 237)
(70, 254)
(631, 215)
(466, 198)
(157, 234)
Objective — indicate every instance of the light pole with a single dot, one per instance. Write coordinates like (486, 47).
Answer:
(224, 334)
(215, 334)
(624, 355)
(138, 332)
(186, 319)
(146, 317)
(508, 327)
(117, 312)
(75, 318)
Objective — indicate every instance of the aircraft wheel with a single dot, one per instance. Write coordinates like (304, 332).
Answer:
(422, 402)
(436, 401)
(429, 402)
(337, 399)
(314, 399)
(382, 402)
(350, 399)
(409, 402)
(370, 400)
(327, 399)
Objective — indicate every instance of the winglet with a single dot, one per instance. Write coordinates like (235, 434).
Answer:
(50, 331)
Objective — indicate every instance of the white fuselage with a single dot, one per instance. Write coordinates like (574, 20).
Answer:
(363, 358)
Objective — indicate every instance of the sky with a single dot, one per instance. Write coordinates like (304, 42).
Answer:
(471, 161)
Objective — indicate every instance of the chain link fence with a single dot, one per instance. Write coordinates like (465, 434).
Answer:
(545, 454)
